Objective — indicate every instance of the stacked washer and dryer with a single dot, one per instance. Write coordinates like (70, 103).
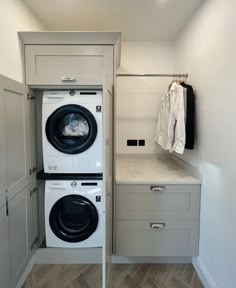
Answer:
(73, 159)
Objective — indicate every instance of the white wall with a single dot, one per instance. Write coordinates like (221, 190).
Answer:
(14, 16)
(138, 99)
(206, 49)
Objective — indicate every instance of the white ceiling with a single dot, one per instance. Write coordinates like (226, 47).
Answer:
(138, 20)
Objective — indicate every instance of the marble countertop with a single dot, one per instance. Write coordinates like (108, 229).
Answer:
(152, 171)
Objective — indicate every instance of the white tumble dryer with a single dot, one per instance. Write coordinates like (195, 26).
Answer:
(72, 132)
(73, 213)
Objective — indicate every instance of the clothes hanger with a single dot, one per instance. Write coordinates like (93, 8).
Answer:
(172, 82)
(184, 79)
(178, 80)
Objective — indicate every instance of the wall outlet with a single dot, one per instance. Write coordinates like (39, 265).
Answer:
(141, 142)
(132, 142)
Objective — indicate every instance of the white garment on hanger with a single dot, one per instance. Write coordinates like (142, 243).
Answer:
(170, 132)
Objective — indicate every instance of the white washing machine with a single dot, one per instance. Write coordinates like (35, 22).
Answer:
(72, 132)
(73, 213)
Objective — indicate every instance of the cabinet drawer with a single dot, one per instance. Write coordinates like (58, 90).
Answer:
(145, 202)
(67, 64)
(173, 238)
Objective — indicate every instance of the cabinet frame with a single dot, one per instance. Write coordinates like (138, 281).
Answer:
(93, 60)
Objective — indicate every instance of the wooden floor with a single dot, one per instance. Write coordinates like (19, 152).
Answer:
(123, 276)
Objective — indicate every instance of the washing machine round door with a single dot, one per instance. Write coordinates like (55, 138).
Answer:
(73, 218)
(71, 129)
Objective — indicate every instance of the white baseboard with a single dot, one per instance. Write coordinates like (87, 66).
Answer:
(197, 263)
(68, 256)
(26, 272)
(157, 260)
(203, 273)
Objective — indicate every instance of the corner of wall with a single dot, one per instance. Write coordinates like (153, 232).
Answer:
(15, 16)
(36, 17)
(203, 273)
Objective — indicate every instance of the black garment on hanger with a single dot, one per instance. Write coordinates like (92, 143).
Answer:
(190, 116)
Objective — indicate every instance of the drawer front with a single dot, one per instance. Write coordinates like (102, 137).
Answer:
(157, 238)
(145, 202)
(68, 64)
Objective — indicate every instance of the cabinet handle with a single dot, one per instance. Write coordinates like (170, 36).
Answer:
(33, 191)
(30, 97)
(34, 169)
(158, 188)
(68, 79)
(157, 225)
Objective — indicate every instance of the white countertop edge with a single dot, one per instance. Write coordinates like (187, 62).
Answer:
(153, 182)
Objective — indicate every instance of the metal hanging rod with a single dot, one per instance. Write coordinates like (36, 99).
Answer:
(154, 75)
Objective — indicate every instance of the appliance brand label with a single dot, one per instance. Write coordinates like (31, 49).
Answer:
(54, 168)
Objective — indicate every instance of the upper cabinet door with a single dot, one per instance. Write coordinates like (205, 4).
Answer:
(3, 171)
(67, 64)
(33, 139)
(16, 111)
(108, 176)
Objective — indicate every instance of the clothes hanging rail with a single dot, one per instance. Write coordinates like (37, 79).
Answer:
(153, 75)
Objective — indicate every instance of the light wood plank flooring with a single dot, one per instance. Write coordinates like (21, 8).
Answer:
(123, 276)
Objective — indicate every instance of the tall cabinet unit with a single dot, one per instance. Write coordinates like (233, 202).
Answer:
(16, 179)
(77, 60)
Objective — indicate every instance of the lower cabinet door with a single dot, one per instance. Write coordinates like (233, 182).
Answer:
(18, 233)
(4, 250)
(41, 212)
(157, 238)
(32, 215)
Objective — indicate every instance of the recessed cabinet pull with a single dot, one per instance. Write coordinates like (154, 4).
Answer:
(34, 169)
(158, 188)
(68, 79)
(30, 97)
(157, 225)
(33, 191)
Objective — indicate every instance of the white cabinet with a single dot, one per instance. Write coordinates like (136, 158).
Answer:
(4, 249)
(3, 175)
(157, 220)
(108, 176)
(32, 215)
(18, 233)
(15, 180)
(138, 202)
(143, 238)
(15, 128)
(33, 149)
(18, 236)
(73, 60)
(41, 211)
(67, 64)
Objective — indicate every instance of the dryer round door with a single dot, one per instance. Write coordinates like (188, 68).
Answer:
(71, 129)
(73, 218)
